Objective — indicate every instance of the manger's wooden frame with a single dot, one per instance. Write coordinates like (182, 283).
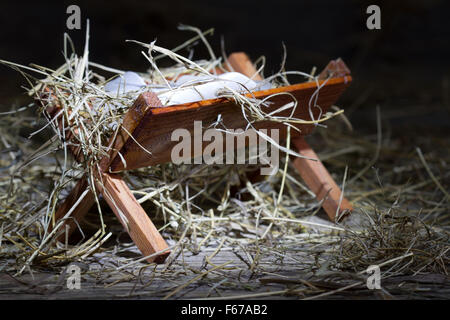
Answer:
(151, 127)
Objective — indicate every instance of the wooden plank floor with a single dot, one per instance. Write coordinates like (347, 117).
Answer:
(274, 276)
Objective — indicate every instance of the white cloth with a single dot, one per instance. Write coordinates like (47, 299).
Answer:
(129, 81)
(189, 88)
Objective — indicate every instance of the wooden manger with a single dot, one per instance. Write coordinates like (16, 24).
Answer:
(151, 127)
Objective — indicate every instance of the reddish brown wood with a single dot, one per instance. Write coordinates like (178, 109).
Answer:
(130, 121)
(138, 225)
(334, 69)
(155, 129)
(240, 62)
(319, 180)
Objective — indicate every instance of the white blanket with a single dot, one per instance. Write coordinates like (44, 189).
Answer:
(189, 88)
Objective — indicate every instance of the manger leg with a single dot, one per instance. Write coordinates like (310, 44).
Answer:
(79, 212)
(133, 217)
(320, 182)
(241, 63)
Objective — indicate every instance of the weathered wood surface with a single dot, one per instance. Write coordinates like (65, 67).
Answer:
(279, 280)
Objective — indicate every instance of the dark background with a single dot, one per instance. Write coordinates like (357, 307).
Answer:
(403, 67)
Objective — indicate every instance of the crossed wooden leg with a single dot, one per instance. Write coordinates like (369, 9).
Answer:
(141, 229)
(115, 191)
(125, 206)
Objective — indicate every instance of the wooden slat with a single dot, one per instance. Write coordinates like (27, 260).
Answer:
(156, 127)
(320, 182)
(138, 225)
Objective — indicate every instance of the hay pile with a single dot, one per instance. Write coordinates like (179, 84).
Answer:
(202, 206)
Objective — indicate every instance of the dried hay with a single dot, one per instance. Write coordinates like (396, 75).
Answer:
(273, 220)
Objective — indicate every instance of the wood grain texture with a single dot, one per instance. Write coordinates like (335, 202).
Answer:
(155, 129)
(138, 225)
(318, 179)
